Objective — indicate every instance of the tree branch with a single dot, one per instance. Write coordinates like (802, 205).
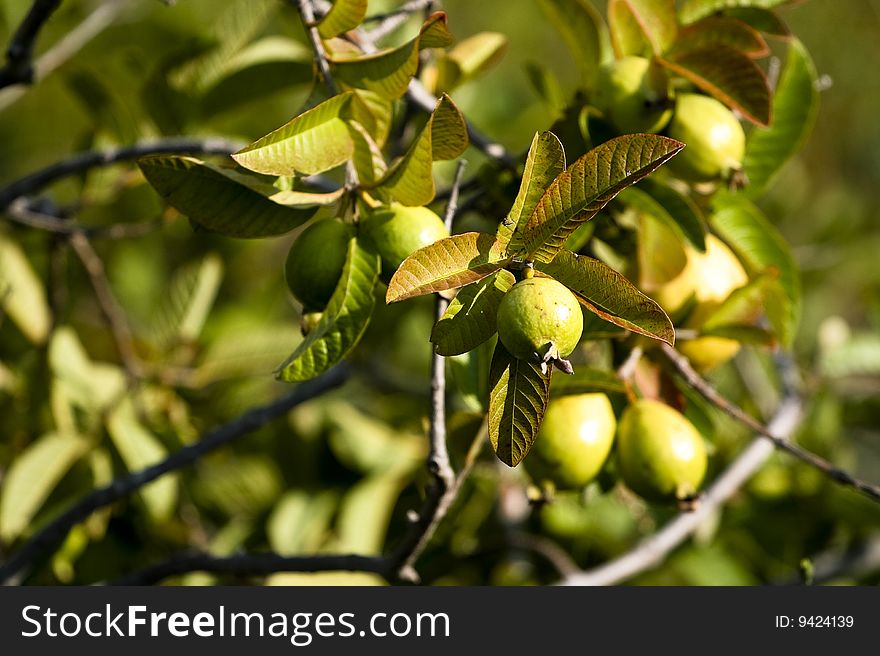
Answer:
(652, 551)
(51, 535)
(94, 158)
(21, 212)
(307, 13)
(705, 389)
(19, 68)
(391, 20)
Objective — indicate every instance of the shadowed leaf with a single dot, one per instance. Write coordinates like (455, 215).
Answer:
(469, 59)
(583, 31)
(671, 207)
(721, 30)
(641, 27)
(693, 10)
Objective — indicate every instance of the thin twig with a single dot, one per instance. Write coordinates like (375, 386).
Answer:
(391, 20)
(857, 562)
(257, 564)
(87, 160)
(111, 308)
(707, 391)
(95, 23)
(19, 68)
(307, 12)
(20, 212)
(51, 535)
(652, 551)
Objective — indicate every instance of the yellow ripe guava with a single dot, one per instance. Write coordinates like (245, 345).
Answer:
(315, 261)
(539, 319)
(660, 455)
(397, 231)
(574, 440)
(714, 138)
(633, 96)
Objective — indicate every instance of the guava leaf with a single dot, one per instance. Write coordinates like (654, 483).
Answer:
(641, 27)
(22, 294)
(410, 180)
(342, 323)
(762, 20)
(139, 448)
(368, 160)
(300, 199)
(470, 318)
(728, 75)
(608, 294)
(343, 16)
(737, 316)
(373, 112)
(587, 380)
(315, 141)
(724, 30)
(545, 161)
(219, 200)
(761, 248)
(518, 397)
(671, 207)
(795, 106)
(545, 83)
(693, 10)
(388, 73)
(469, 58)
(585, 187)
(583, 31)
(184, 307)
(32, 477)
(448, 263)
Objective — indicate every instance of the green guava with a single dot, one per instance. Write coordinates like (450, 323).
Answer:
(315, 261)
(714, 138)
(397, 231)
(634, 95)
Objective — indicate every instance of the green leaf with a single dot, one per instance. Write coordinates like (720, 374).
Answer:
(761, 248)
(470, 318)
(723, 30)
(22, 294)
(762, 20)
(219, 200)
(728, 75)
(608, 294)
(693, 10)
(343, 16)
(583, 31)
(315, 141)
(671, 207)
(470, 374)
(184, 308)
(546, 85)
(138, 449)
(410, 180)
(795, 106)
(737, 315)
(585, 187)
(368, 160)
(294, 198)
(374, 113)
(448, 263)
(546, 160)
(518, 397)
(93, 386)
(388, 73)
(641, 27)
(470, 58)
(586, 380)
(32, 477)
(342, 323)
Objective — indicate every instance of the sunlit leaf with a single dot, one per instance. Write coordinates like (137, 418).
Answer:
(728, 75)
(583, 31)
(368, 160)
(313, 142)
(795, 106)
(93, 386)
(22, 294)
(342, 323)
(410, 180)
(388, 73)
(219, 200)
(32, 477)
(671, 207)
(343, 16)
(605, 292)
(293, 198)
(585, 187)
(139, 448)
(545, 161)
(693, 10)
(761, 248)
(446, 264)
(721, 30)
(374, 113)
(469, 58)
(518, 397)
(470, 318)
(641, 27)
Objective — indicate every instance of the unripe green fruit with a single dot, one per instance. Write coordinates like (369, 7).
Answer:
(574, 440)
(539, 317)
(633, 96)
(660, 455)
(315, 261)
(716, 143)
(397, 231)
